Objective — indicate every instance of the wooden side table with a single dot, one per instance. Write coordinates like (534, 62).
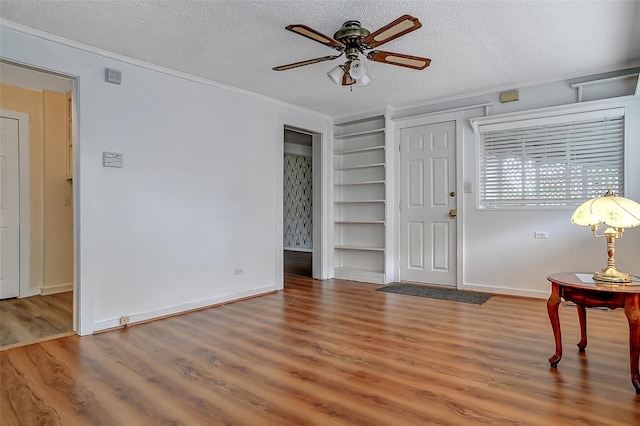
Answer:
(568, 286)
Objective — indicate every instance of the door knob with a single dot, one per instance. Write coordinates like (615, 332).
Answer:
(453, 213)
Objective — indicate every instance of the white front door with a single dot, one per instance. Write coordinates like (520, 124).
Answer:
(9, 210)
(427, 198)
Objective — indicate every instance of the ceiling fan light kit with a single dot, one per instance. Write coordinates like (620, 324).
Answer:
(357, 70)
(351, 40)
(363, 81)
(336, 74)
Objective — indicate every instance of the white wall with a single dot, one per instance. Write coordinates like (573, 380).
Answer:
(198, 196)
(499, 253)
(164, 233)
(57, 267)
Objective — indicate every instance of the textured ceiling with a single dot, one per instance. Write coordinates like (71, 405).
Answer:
(475, 46)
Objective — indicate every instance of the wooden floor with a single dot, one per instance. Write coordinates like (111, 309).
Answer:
(330, 353)
(35, 318)
(298, 263)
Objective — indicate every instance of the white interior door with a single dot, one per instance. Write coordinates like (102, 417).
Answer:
(9, 209)
(427, 195)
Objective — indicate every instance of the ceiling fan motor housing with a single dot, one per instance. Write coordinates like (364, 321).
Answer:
(351, 35)
(351, 32)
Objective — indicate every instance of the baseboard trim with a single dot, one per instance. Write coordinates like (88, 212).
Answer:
(55, 289)
(134, 319)
(507, 291)
(359, 275)
(31, 292)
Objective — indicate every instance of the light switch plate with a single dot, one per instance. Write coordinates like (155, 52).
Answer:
(112, 159)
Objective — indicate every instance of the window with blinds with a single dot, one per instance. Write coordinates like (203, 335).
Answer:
(553, 161)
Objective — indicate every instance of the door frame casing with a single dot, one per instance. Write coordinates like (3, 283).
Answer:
(321, 130)
(316, 201)
(25, 289)
(406, 122)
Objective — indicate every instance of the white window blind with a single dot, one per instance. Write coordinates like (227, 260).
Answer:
(553, 161)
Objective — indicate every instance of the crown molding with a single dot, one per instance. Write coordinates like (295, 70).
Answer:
(146, 65)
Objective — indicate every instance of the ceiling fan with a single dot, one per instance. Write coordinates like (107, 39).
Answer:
(351, 40)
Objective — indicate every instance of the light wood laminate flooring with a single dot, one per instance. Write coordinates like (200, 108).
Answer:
(330, 353)
(36, 318)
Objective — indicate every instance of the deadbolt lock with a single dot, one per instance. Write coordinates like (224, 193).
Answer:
(452, 194)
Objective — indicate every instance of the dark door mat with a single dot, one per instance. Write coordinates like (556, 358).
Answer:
(437, 293)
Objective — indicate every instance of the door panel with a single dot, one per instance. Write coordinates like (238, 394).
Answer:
(416, 245)
(440, 249)
(416, 183)
(9, 210)
(427, 232)
(440, 182)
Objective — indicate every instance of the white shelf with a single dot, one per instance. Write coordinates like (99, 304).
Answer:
(373, 222)
(358, 201)
(356, 134)
(370, 182)
(362, 166)
(362, 248)
(360, 275)
(355, 151)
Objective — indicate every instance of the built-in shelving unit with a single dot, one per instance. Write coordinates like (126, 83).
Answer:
(359, 200)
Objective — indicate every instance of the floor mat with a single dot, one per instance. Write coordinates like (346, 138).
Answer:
(436, 293)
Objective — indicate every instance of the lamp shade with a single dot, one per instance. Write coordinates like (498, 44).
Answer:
(583, 215)
(336, 74)
(363, 81)
(357, 70)
(613, 211)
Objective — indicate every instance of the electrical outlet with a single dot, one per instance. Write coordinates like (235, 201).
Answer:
(124, 320)
(239, 271)
(540, 235)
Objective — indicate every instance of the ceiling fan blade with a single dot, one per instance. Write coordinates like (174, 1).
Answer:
(303, 63)
(303, 30)
(415, 62)
(401, 26)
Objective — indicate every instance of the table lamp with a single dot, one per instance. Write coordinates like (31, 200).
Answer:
(616, 213)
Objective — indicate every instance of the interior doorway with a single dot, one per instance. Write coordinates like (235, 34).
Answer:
(298, 202)
(43, 307)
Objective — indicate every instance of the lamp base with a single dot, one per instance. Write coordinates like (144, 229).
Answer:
(611, 275)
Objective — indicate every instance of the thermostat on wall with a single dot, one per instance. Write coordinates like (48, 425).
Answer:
(112, 159)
